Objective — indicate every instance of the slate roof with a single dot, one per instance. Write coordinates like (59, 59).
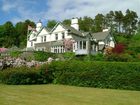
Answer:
(73, 30)
(100, 35)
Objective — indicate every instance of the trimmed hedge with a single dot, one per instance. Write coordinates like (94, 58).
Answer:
(24, 75)
(118, 75)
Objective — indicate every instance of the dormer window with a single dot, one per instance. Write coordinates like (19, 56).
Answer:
(56, 36)
(63, 35)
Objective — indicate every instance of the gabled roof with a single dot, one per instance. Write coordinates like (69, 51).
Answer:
(37, 33)
(73, 30)
(100, 35)
(69, 28)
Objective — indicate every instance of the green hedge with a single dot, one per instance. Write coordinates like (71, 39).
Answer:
(119, 75)
(24, 75)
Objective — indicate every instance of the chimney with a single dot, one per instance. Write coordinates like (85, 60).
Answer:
(74, 23)
(39, 25)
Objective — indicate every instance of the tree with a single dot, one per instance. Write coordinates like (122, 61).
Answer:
(119, 20)
(109, 18)
(86, 24)
(21, 30)
(130, 22)
(8, 34)
(99, 22)
(67, 22)
(51, 23)
(68, 44)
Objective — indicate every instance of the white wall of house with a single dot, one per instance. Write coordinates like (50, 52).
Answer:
(101, 42)
(30, 41)
(112, 44)
(44, 36)
(58, 32)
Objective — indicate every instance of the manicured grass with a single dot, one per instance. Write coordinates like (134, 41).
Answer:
(65, 95)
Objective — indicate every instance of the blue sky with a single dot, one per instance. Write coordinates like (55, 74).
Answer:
(20, 10)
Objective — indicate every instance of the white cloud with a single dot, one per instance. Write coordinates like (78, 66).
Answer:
(64, 9)
(80, 8)
(8, 6)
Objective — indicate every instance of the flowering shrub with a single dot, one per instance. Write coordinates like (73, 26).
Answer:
(119, 48)
(68, 44)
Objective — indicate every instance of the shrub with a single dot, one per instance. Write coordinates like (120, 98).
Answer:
(24, 75)
(125, 57)
(117, 75)
(119, 48)
(15, 53)
(68, 55)
(42, 56)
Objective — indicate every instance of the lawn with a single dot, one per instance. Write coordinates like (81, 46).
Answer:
(65, 95)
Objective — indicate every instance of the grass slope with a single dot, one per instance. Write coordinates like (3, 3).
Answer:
(65, 95)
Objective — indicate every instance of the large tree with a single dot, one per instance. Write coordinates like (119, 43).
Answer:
(130, 22)
(119, 20)
(99, 22)
(21, 32)
(51, 23)
(86, 24)
(8, 34)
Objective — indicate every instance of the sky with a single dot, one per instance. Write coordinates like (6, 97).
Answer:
(44, 10)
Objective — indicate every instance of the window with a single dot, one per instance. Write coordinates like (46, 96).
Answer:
(31, 43)
(55, 50)
(41, 39)
(44, 38)
(84, 44)
(77, 45)
(56, 36)
(61, 49)
(63, 35)
(80, 44)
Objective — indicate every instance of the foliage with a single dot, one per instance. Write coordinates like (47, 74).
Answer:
(68, 55)
(15, 53)
(86, 24)
(42, 56)
(119, 48)
(96, 57)
(135, 42)
(125, 57)
(97, 74)
(67, 22)
(11, 35)
(51, 23)
(24, 75)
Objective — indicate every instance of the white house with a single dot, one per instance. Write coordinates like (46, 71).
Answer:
(63, 38)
